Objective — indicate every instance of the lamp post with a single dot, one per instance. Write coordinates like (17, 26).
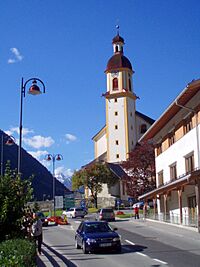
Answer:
(33, 90)
(9, 141)
(53, 157)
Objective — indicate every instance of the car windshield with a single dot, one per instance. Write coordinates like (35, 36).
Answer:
(98, 227)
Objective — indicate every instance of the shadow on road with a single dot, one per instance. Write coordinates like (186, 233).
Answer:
(52, 260)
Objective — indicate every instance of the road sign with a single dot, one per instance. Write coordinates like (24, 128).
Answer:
(130, 199)
(59, 202)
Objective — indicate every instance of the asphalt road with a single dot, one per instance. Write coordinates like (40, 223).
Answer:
(143, 244)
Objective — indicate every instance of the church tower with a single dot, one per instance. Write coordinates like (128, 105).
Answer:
(120, 104)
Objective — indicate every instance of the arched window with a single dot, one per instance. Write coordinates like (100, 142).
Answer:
(116, 48)
(143, 128)
(115, 84)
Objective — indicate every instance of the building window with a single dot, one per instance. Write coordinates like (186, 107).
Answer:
(115, 100)
(116, 142)
(171, 138)
(116, 127)
(116, 113)
(143, 128)
(159, 149)
(131, 127)
(187, 125)
(189, 163)
(116, 49)
(160, 178)
(131, 114)
(173, 172)
(123, 188)
(132, 143)
(115, 84)
(117, 156)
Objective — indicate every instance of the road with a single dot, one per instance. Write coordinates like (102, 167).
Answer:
(143, 244)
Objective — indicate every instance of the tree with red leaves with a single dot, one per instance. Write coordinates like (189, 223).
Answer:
(140, 169)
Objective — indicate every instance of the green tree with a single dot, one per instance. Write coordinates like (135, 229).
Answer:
(93, 177)
(14, 194)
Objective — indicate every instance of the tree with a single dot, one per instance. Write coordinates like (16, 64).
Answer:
(140, 169)
(14, 194)
(93, 177)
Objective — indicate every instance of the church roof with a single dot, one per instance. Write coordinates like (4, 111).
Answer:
(117, 39)
(145, 117)
(118, 61)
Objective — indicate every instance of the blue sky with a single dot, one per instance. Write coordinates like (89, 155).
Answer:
(67, 45)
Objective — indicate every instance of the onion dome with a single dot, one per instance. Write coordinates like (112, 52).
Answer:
(118, 60)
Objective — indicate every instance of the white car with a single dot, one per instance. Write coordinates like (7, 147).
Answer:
(74, 213)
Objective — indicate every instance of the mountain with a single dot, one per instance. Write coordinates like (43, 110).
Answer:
(43, 180)
(66, 180)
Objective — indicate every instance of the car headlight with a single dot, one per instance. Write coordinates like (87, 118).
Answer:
(116, 239)
(90, 240)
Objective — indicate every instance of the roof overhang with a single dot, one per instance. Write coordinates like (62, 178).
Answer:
(187, 179)
(190, 91)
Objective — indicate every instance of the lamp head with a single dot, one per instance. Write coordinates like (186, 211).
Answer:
(10, 141)
(48, 157)
(34, 89)
(59, 157)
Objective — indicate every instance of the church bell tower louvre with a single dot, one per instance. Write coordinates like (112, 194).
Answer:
(121, 133)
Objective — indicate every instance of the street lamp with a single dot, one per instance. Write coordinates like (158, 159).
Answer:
(9, 141)
(53, 157)
(33, 90)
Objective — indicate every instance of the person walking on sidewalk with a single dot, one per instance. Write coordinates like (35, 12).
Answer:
(136, 212)
(37, 231)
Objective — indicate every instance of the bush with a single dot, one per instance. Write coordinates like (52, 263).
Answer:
(18, 253)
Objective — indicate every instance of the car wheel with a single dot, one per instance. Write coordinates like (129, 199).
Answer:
(77, 246)
(85, 249)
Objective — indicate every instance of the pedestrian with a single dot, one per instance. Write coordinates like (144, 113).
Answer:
(37, 231)
(136, 212)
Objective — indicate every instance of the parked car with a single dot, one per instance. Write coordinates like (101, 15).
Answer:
(74, 212)
(43, 218)
(93, 235)
(106, 214)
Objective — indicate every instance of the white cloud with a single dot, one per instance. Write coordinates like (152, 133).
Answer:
(70, 138)
(13, 130)
(16, 54)
(38, 154)
(39, 141)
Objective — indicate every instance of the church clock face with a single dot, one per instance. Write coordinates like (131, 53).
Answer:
(114, 73)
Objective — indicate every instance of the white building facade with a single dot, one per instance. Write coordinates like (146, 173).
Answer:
(176, 135)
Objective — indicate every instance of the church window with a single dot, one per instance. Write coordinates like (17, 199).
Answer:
(143, 128)
(116, 113)
(116, 142)
(115, 100)
(131, 114)
(116, 127)
(131, 127)
(115, 84)
(116, 48)
(129, 83)
(117, 156)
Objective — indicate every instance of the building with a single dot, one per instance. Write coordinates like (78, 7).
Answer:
(124, 125)
(176, 135)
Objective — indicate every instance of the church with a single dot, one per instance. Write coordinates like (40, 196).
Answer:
(124, 125)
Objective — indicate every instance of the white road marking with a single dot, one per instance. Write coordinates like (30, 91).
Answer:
(141, 254)
(163, 262)
(144, 255)
(130, 242)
